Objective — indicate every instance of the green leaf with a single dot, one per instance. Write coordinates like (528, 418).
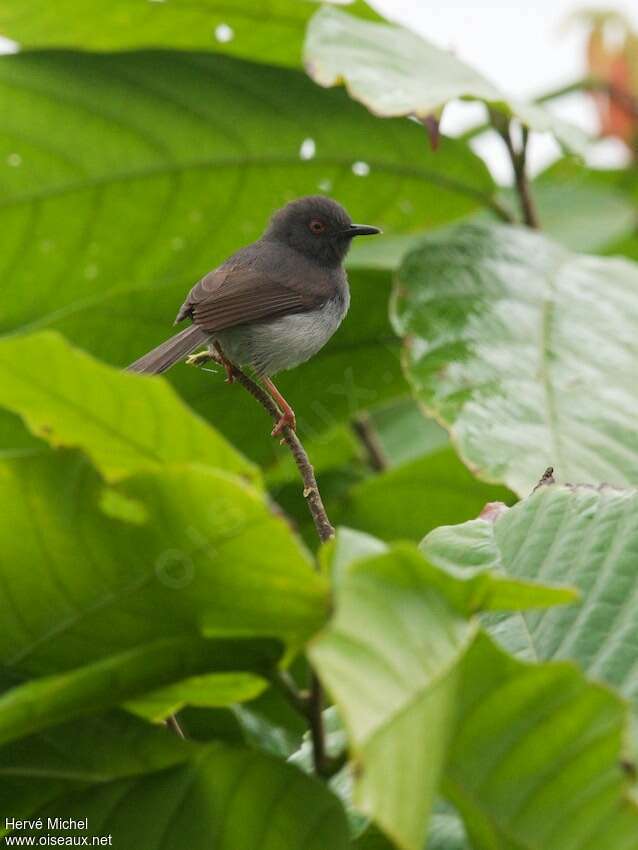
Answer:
(95, 687)
(227, 799)
(535, 761)
(79, 754)
(123, 212)
(404, 433)
(581, 535)
(218, 796)
(123, 422)
(240, 29)
(409, 501)
(446, 833)
(390, 659)
(393, 71)
(504, 347)
(81, 585)
(468, 590)
(582, 209)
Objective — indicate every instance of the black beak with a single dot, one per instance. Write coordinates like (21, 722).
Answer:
(361, 230)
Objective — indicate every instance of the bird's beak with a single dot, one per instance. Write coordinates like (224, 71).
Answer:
(361, 230)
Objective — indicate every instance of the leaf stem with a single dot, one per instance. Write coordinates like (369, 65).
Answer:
(519, 166)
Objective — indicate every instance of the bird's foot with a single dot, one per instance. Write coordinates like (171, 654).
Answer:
(286, 420)
(229, 367)
(200, 358)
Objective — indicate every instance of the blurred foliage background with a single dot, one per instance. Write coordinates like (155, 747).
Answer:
(156, 554)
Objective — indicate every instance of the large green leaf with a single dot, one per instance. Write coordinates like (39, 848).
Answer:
(84, 577)
(583, 209)
(483, 587)
(526, 352)
(582, 535)
(131, 175)
(390, 658)
(140, 672)
(536, 758)
(410, 677)
(123, 422)
(180, 795)
(241, 28)
(393, 71)
(409, 501)
(79, 754)
(225, 798)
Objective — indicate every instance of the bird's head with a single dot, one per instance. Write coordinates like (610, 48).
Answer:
(317, 227)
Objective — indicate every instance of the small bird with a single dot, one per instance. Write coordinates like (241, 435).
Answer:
(273, 304)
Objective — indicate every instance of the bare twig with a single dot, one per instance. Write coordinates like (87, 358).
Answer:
(364, 430)
(312, 707)
(519, 166)
(317, 731)
(324, 530)
(173, 723)
(299, 700)
(289, 437)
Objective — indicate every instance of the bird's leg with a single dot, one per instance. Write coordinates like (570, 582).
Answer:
(287, 413)
(217, 356)
(225, 362)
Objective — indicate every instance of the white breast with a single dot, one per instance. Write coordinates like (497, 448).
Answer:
(271, 347)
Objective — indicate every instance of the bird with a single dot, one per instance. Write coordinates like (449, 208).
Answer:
(273, 304)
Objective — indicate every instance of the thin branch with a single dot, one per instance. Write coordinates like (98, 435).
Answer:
(289, 437)
(317, 731)
(173, 724)
(299, 700)
(314, 705)
(363, 428)
(519, 165)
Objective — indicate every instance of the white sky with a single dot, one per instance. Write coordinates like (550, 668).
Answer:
(526, 48)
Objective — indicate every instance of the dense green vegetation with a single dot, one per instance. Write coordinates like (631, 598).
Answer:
(479, 665)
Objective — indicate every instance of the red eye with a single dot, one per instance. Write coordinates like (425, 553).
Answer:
(317, 225)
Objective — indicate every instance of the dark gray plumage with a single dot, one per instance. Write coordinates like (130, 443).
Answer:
(275, 303)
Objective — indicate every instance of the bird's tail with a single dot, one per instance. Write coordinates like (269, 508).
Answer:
(168, 353)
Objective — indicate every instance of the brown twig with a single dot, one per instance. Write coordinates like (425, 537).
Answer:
(173, 723)
(311, 706)
(362, 426)
(519, 166)
(287, 686)
(289, 437)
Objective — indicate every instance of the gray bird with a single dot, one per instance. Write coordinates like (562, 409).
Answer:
(273, 304)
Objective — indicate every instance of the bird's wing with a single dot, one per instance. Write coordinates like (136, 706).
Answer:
(240, 294)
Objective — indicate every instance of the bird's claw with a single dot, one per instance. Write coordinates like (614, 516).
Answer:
(286, 420)
(200, 358)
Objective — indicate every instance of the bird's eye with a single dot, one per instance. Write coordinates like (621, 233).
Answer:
(317, 226)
